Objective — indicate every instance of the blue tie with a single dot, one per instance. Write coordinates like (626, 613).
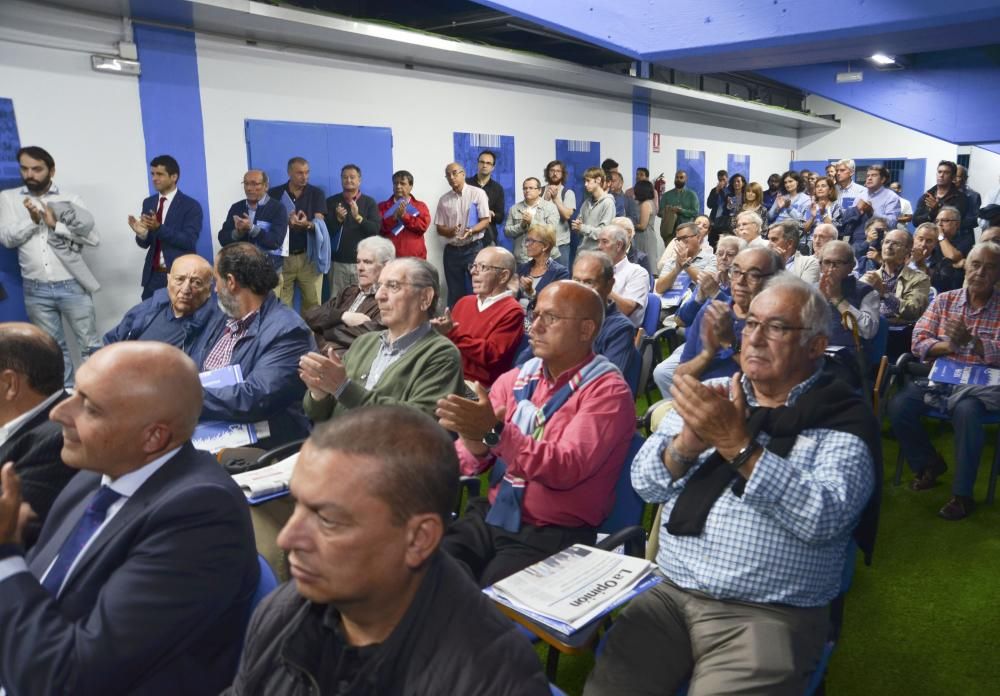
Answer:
(90, 522)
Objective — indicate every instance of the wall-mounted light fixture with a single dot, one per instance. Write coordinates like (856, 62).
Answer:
(115, 64)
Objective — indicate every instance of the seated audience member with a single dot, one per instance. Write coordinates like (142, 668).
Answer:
(258, 219)
(748, 227)
(847, 295)
(616, 339)
(631, 291)
(754, 538)
(712, 344)
(824, 232)
(555, 433)
(784, 239)
(713, 285)
(531, 211)
(962, 325)
(142, 578)
(540, 269)
(378, 608)
(948, 259)
(408, 363)
(177, 314)
(869, 252)
(31, 384)
(925, 241)
(404, 218)
(684, 254)
(903, 291)
(990, 234)
(261, 335)
(905, 207)
(340, 320)
(633, 253)
(486, 326)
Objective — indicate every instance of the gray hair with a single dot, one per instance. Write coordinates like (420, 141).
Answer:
(816, 315)
(751, 217)
(775, 263)
(987, 246)
(849, 163)
(626, 224)
(905, 235)
(838, 245)
(826, 226)
(607, 265)
(422, 274)
(932, 226)
(949, 209)
(380, 247)
(618, 234)
(789, 230)
(740, 243)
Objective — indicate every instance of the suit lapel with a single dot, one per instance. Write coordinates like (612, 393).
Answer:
(32, 423)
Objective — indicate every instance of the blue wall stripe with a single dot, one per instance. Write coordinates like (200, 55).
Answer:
(170, 102)
(640, 135)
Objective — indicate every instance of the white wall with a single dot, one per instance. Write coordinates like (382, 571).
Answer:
(90, 123)
(984, 171)
(861, 136)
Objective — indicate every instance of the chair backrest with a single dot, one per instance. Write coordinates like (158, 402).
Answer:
(267, 583)
(874, 347)
(628, 507)
(651, 320)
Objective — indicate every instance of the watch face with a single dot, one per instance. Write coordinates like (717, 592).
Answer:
(491, 439)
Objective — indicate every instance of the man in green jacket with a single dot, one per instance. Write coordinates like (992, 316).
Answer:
(409, 363)
(679, 203)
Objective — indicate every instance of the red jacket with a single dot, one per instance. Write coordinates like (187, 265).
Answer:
(410, 240)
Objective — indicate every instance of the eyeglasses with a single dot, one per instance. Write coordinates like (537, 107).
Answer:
(394, 286)
(726, 254)
(834, 263)
(529, 240)
(892, 243)
(482, 268)
(548, 318)
(753, 274)
(195, 282)
(687, 236)
(773, 330)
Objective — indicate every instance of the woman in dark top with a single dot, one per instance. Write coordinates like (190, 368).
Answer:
(541, 270)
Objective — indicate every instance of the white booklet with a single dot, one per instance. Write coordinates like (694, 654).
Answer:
(268, 481)
(571, 588)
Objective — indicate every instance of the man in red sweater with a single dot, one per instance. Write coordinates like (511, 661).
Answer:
(488, 325)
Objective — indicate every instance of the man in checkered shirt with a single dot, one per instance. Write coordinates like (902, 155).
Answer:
(763, 479)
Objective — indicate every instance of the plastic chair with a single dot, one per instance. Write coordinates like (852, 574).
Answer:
(267, 583)
(649, 341)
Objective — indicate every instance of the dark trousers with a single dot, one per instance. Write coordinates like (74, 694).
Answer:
(456, 270)
(905, 411)
(491, 553)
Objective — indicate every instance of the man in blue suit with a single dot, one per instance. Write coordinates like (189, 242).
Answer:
(258, 219)
(169, 225)
(143, 575)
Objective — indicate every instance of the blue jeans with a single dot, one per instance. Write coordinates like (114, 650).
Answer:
(905, 411)
(564, 257)
(48, 304)
(456, 270)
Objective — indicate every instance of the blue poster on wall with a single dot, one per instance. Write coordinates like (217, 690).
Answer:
(738, 164)
(11, 308)
(693, 162)
(467, 149)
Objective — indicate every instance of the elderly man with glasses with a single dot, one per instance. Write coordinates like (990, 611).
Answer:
(847, 295)
(176, 314)
(408, 363)
(553, 433)
(948, 259)
(258, 219)
(763, 478)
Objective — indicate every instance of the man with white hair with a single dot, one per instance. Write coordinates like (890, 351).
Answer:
(824, 233)
(748, 226)
(631, 289)
(754, 540)
(848, 190)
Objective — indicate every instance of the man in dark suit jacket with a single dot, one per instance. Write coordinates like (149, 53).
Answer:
(169, 225)
(31, 383)
(258, 219)
(142, 578)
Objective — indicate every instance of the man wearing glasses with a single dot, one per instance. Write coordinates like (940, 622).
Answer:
(948, 259)
(485, 164)
(784, 239)
(763, 478)
(847, 295)
(462, 216)
(684, 254)
(533, 210)
(488, 325)
(408, 364)
(553, 433)
(258, 219)
(176, 314)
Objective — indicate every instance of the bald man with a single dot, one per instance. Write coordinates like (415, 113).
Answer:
(552, 482)
(176, 314)
(142, 577)
(258, 219)
(486, 327)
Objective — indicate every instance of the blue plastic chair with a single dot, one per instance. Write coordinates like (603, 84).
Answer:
(268, 583)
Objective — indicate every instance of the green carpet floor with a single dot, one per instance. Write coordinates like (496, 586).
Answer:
(924, 618)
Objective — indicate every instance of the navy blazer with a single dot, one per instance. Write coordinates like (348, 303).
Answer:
(178, 233)
(268, 356)
(270, 223)
(555, 271)
(157, 604)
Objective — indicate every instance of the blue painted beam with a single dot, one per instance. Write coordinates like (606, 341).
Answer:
(950, 95)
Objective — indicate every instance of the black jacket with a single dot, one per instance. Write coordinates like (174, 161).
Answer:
(450, 641)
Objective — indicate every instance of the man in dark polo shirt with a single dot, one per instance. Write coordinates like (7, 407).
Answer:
(305, 203)
(483, 179)
(353, 216)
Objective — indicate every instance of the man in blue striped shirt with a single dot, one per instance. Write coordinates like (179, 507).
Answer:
(763, 479)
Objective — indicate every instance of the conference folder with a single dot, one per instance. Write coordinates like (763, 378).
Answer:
(948, 371)
(215, 435)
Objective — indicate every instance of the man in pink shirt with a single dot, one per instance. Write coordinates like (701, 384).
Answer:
(554, 433)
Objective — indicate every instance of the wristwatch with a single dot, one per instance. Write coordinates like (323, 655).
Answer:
(743, 456)
(492, 438)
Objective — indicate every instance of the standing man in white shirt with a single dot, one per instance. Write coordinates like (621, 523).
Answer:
(49, 228)
(532, 210)
(631, 290)
(462, 216)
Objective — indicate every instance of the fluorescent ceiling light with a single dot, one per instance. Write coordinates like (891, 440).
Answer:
(882, 59)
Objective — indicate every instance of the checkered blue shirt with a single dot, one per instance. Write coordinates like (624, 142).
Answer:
(784, 540)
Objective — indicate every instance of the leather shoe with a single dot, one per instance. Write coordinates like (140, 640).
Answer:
(929, 476)
(959, 507)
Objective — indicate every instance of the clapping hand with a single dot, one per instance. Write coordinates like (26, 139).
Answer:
(322, 374)
(716, 419)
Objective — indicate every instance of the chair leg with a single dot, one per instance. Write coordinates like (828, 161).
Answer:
(551, 664)
(898, 476)
(994, 471)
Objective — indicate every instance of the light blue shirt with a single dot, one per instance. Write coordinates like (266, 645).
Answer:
(885, 204)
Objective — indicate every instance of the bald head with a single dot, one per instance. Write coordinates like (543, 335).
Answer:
(189, 284)
(580, 300)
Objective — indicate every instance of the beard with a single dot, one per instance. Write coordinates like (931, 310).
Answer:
(227, 303)
(38, 186)
(679, 184)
